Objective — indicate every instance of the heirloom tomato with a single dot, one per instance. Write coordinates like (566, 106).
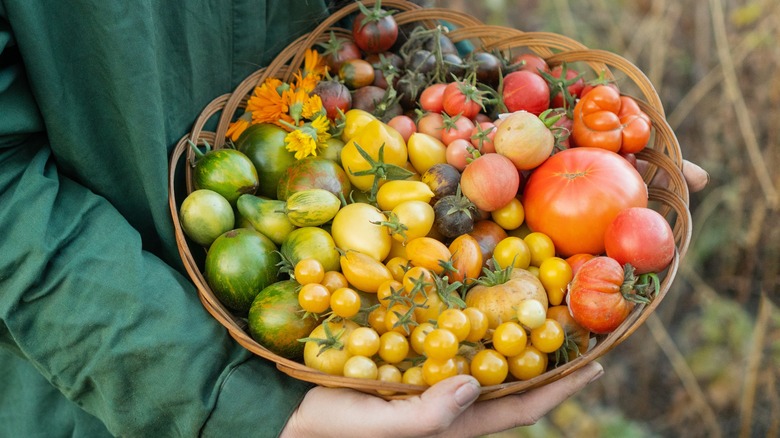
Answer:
(531, 62)
(374, 30)
(394, 193)
(525, 139)
(425, 151)
(356, 227)
(431, 124)
(354, 120)
(577, 337)
(525, 90)
(443, 179)
(460, 152)
(598, 299)
(528, 364)
(488, 234)
(228, 172)
(431, 98)
(404, 125)
(605, 119)
(565, 78)
(462, 98)
(205, 215)
(574, 195)
(489, 367)
(240, 263)
(410, 220)
(466, 259)
(456, 127)
(274, 320)
(501, 292)
(356, 74)
(337, 50)
(510, 216)
(641, 237)
(313, 173)
(373, 138)
(264, 144)
(490, 181)
(363, 271)
(482, 137)
(311, 242)
(324, 348)
(512, 251)
(429, 253)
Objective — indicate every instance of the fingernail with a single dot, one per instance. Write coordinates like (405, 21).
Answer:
(597, 375)
(467, 393)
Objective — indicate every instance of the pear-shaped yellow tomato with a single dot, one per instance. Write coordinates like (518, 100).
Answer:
(425, 151)
(363, 271)
(358, 227)
(394, 193)
(354, 120)
(372, 137)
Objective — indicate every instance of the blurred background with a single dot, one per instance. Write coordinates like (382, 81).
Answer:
(707, 363)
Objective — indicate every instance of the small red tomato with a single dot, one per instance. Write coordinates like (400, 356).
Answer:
(641, 237)
(404, 125)
(531, 62)
(431, 98)
(459, 153)
(524, 90)
(457, 127)
(568, 79)
(595, 298)
(482, 137)
(432, 124)
(462, 98)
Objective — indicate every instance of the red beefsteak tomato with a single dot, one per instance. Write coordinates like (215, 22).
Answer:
(575, 194)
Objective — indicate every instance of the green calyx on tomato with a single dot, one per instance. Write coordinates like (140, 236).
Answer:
(379, 170)
(454, 214)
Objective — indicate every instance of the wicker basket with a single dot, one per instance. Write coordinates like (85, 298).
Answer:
(662, 153)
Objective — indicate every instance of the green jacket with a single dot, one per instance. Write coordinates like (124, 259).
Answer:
(101, 332)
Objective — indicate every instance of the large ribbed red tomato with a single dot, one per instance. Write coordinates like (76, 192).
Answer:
(575, 194)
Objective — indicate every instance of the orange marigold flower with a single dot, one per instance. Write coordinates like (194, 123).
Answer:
(236, 128)
(266, 103)
(313, 64)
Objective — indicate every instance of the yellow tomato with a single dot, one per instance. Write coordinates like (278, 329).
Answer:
(510, 216)
(393, 193)
(512, 251)
(371, 137)
(541, 246)
(410, 220)
(363, 271)
(356, 227)
(425, 151)
(354, 120)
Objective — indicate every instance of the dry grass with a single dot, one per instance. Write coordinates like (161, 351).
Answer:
(707, 363)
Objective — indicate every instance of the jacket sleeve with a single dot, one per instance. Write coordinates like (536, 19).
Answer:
(111, 326)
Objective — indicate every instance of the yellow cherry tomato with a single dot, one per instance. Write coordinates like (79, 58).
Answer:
(510, 216)
(555, 274)
(541, 246)
(512, 251)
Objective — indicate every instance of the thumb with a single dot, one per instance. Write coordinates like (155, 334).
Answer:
(440, 405)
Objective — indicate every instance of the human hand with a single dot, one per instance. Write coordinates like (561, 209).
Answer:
(447, 408)
(695, 177)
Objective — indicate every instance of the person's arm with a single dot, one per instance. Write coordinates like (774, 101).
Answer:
(113, 328)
